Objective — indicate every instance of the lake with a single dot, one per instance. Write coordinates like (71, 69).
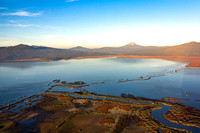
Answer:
(150, 78)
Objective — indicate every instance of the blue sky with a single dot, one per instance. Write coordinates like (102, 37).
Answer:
(98, 23)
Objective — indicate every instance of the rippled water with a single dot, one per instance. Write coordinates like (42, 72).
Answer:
(103, 74)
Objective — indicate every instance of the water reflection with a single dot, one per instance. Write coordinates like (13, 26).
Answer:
(23, 77)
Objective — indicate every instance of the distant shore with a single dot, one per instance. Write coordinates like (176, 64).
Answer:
(192, 61)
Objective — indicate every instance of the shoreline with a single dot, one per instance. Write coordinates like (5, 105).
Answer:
(192, 61)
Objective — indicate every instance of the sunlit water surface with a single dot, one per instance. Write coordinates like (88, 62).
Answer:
(25, 79)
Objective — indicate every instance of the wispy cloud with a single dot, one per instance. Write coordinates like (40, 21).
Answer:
(15, 23)
(71, 0)
(21, 13)
(18, 21)
(19, 25)
(12, 21)
(3, 8)
(25, 25)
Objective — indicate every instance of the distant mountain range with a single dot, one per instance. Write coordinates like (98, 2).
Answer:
(21, 51)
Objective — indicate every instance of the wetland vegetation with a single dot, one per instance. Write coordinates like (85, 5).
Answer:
(82, 111)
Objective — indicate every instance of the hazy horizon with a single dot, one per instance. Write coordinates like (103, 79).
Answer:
(92, 47)
(98, 23)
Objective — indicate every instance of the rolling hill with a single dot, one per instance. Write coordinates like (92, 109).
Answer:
(21, 51)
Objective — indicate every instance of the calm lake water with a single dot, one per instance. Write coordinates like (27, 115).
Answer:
(103, 74)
